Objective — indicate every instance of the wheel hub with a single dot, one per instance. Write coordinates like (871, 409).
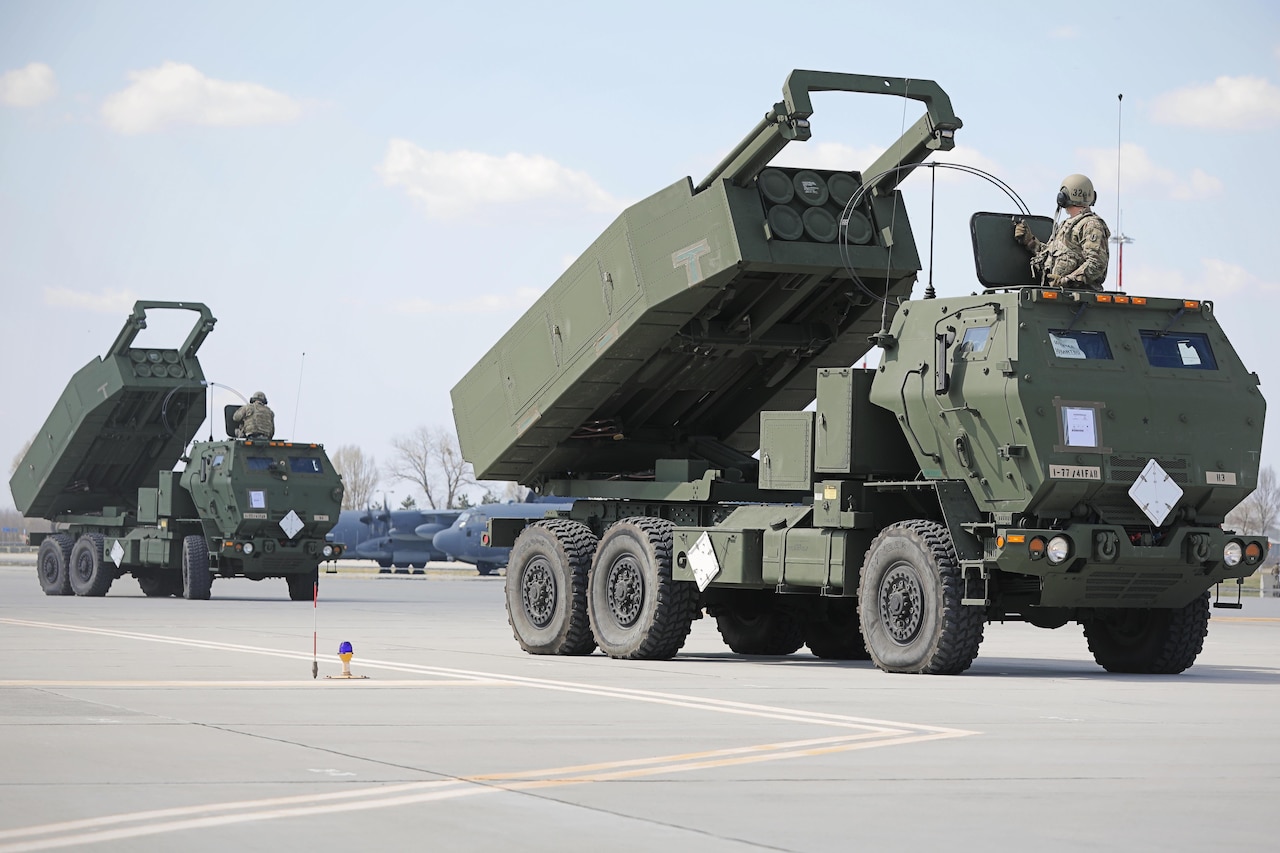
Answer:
(538, 591)
(901, 604)
(625, 591)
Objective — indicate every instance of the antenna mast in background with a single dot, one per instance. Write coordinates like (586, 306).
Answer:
(1119, 238)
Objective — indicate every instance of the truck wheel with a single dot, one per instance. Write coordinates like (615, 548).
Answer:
(157, 583)
(1154, 642)
(909, 602)
(758, 622)
(833, 631)
(303, 587)
(197, 581)
(547, 588)
(637, 611)
(90, 574)
(53, 562)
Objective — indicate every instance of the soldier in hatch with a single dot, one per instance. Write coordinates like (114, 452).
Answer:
(255, 418)
(1076, 255)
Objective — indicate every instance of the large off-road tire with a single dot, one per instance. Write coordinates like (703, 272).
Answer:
(159, 583)
(909, 602)
(1153, 642)
(547, 588)
(638, 612)
(303, 587)
(91, 574)
(758, 622)
(197, 581)
(832, 630)
(53, 564)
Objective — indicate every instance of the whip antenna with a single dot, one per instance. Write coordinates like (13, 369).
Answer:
(1119, 237)
(297, 398)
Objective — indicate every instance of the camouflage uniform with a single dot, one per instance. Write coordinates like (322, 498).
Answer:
(256, 421)
(1076, 255)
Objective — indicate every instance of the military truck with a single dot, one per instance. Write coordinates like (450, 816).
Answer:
(1019, 453)
(102, 469)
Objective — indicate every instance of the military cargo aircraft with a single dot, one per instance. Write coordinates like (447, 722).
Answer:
(467, 542)
(389, 537)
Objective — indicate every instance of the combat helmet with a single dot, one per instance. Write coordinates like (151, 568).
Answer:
(258, 397)
(1076, 191)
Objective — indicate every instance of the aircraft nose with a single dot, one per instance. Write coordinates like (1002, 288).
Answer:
(449, 540)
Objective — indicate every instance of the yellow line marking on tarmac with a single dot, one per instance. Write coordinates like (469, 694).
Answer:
(869, 733)
(186, 818)
(1246, 619)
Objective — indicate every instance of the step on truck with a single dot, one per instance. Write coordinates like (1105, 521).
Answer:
(102, 469)
(1020, 453)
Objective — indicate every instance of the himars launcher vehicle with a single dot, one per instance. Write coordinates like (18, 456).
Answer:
(101, 468)
(1021, 453)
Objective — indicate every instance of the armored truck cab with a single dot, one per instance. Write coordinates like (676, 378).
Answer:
(102, 468)
(1021, 453)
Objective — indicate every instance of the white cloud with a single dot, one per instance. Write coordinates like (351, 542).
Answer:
(28, 86)
(450, 182)
(1216, 279)
(521, 299)
(1228, 103)
(106, 302)
(1140, 174)
(176, 93)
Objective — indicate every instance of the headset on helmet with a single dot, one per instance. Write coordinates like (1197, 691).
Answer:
(1076, 191)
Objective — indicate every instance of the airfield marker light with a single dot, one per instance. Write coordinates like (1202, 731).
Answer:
(1232, 554)
(1036, 547)
(1252, 553)
(1059, 550)
(344, 654)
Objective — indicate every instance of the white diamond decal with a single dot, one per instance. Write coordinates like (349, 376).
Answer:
(702, 559)
(1155, 493)
(291, 524)
(117, 553)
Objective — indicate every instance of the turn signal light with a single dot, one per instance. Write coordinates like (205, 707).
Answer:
(1252, 553)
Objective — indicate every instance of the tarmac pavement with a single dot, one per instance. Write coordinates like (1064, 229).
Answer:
(159, 724)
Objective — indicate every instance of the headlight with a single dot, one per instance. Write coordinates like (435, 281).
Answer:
(248, 548)
(1232, 553)
(328, 551)
(1059, 549)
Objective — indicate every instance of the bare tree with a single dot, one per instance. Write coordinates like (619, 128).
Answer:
(1257, 514)
(17, 460)
(359, 475)
(431, 459)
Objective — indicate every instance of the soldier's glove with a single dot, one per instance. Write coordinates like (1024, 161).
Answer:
(1023, 234)
(1054, 280)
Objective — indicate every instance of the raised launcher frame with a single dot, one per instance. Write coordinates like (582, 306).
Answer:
(123, 417)
(702, 305)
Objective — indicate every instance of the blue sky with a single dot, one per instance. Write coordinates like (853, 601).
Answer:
(386, 186)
